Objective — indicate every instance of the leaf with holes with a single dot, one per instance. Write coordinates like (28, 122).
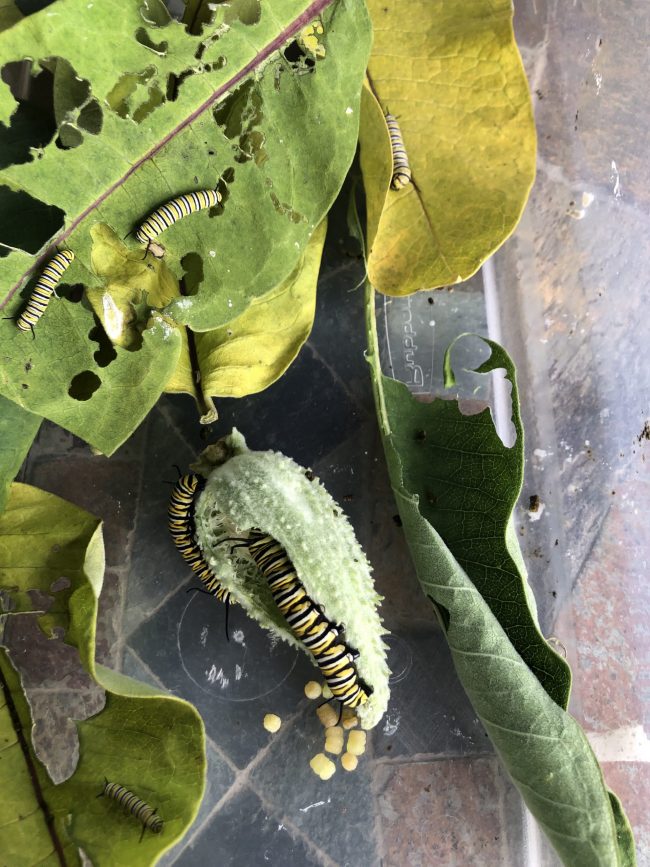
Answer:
(450, 71)
(440, 464)
(254, 350)
(257, 101)
(162, 758)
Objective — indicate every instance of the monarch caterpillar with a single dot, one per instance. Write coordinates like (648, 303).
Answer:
(168, 214)
(181, 527)
(133, 805)
(44, 289)
(307, 622)
(401, 168)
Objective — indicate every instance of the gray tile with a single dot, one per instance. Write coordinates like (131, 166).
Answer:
(337, 814)
(232, 683)
(428, 712)
(305, 414)
(157, 569)
(242, 834)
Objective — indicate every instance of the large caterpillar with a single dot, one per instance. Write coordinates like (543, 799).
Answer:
(307, 622)
(181, 527)
(168, 214)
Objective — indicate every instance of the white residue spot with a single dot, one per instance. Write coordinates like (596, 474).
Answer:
(113, 317)
(204, 636)
(229, 302)
(432, 322)
(215, 676)
(238, 636)
(615, 179)
(587, 199)
(391, 724)
(541, 453)
(183, 303)
(213, 253)
(349, 110)
(315, 804)
(535, 516)
(599, 81)
(238, 672)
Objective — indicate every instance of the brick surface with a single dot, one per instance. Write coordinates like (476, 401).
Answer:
(447, 813)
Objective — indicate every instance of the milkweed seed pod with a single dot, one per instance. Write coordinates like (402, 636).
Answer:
(249, 491)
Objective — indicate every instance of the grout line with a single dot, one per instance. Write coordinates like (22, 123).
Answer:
(429, 758)
(241, 777)
(363, 410)
(323, 858)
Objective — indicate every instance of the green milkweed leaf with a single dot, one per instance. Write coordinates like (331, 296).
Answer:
(144, 739)
(264, 107)
(254, 350)
(542, 747)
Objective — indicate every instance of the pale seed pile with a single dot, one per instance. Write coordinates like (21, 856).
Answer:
(335, 730)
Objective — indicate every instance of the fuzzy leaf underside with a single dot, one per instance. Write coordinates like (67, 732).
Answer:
(541, 746)
(161, 121)
(255, 349)
(450, 71)
(144, 739)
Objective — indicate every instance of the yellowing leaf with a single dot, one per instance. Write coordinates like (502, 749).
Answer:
(450, 71)
(254, 350)
(128, 277)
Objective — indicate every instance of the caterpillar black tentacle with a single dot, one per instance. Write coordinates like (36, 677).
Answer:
(134, 805)
(401, 168)
(181, 527)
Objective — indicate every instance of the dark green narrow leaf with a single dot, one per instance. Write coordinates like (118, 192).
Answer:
(542, 747)
(467, 483)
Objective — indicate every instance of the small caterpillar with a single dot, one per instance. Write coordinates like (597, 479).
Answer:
(307, 622)
(43, 291)
(181, 527)
(401, 168)
(133, 805)
(168, 214)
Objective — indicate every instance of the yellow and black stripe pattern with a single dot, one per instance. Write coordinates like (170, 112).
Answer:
(181, 527)
(307, 622)
(135, 806)
(44, 289)
(401, 168)
(175, 210)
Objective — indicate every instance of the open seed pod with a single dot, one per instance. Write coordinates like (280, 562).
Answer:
(267, 491)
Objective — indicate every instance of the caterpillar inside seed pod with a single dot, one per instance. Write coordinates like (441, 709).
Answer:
(266, 498)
